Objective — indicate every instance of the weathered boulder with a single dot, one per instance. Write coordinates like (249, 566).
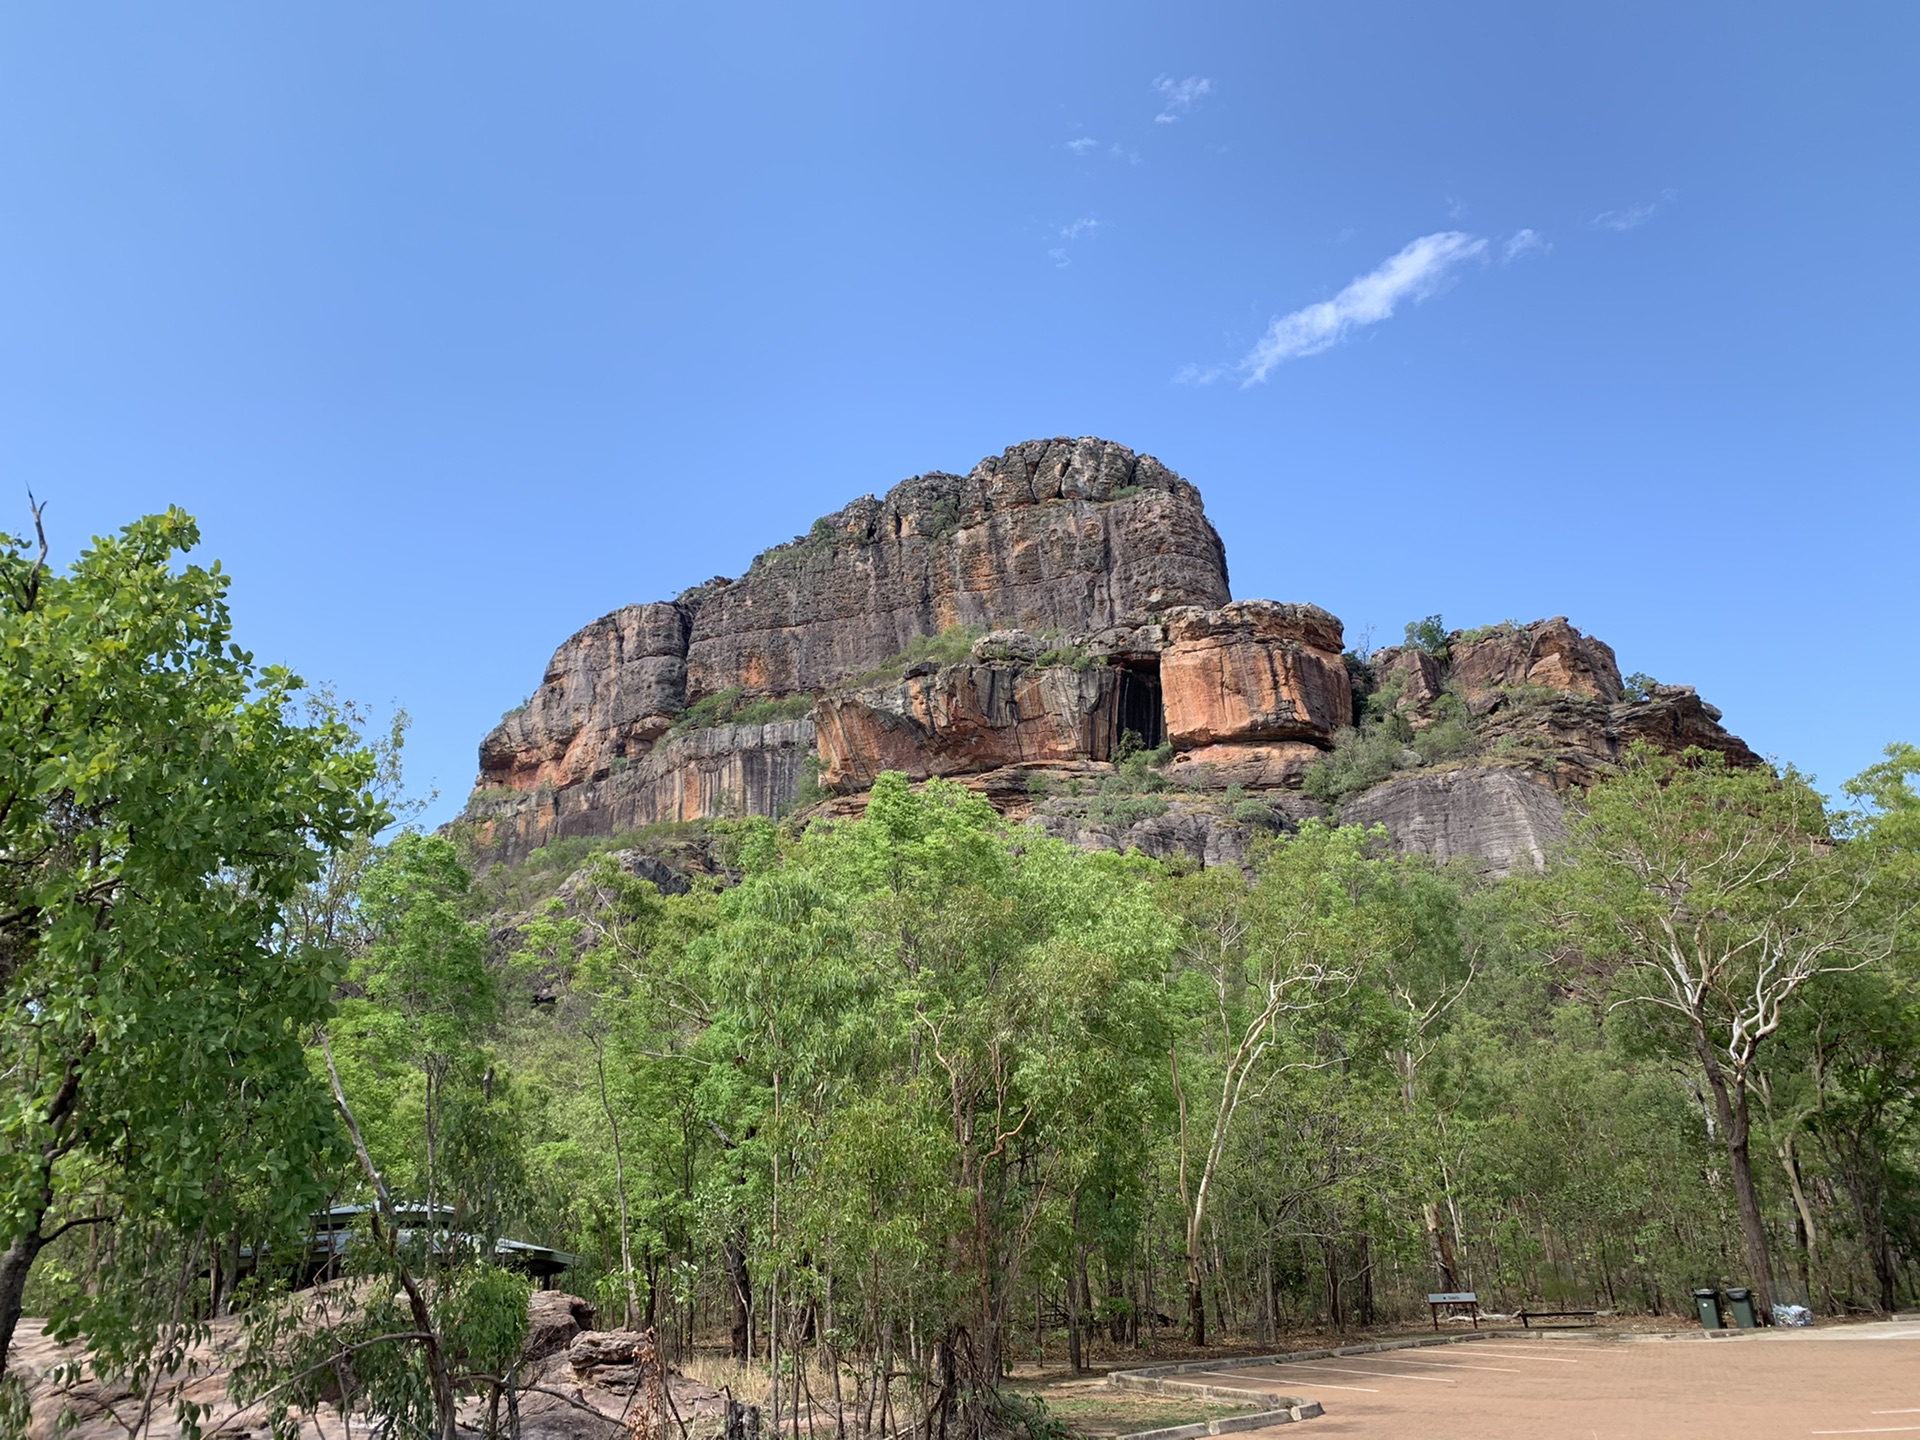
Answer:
(969, 719)
(554, 1318)
(1063, 535)
(1674, 717)
(1502, 817)
(1274, 765)
(1412, 677)
(1253, 670)
(1548, 654)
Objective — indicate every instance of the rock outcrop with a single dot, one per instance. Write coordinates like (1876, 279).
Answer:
(968, 719)
(1023, 628)
(1506, 818)
(1254, 670)
(1061, 535)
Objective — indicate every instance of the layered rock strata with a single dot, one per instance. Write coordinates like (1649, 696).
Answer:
(1021, 628)
(1505, 818)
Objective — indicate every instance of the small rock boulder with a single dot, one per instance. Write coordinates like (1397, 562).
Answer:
(554, 1320)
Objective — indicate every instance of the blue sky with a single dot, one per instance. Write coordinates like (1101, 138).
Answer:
(460, 325)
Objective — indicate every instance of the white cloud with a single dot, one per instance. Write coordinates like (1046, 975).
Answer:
(1523, 242)
(1420, 270)
(1082, 145)
(1456, 207)
(1179, 96)
(1630, 218)
(1060, 258)
(1120, 152)
(1085, 225)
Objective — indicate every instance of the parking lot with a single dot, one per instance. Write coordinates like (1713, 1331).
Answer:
(1841, 1380)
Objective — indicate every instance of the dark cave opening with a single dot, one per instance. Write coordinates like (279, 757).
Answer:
(1140, 709)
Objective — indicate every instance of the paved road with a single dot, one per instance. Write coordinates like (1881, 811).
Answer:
(1775, 1385)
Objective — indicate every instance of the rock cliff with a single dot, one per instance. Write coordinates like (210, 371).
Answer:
(1028, 627)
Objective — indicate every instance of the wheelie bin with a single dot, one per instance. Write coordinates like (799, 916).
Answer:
(1740, 1302)
(1707, 1303)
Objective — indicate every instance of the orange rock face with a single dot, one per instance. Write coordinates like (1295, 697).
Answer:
(969, 719)
(1548, 654)
(1253, 670)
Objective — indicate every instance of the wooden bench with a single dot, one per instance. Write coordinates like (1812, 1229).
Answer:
(1527, 1316)
(1452, 1300)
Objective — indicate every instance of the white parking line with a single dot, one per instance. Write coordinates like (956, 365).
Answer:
(1521, 1355)
(1449, 1364)
(1374, 1374)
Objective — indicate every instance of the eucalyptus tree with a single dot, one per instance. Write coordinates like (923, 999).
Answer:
(1256, 963)
(1715, 897)
(161, 805)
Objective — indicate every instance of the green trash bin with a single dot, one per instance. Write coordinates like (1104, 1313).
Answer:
(1707, 1302)
(1740, 1302)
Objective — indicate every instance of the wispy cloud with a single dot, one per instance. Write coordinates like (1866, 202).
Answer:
(1418, 271)
(1524, 242)
(1120, 152)
(1082, 145)
(1631, 218)
(1179, 96)
(1456, 207)
(1085, 225)
(1059, 257)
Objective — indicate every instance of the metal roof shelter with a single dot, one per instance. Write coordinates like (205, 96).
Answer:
(333, 1234)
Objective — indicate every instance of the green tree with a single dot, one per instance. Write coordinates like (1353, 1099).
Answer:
(160, 806)
(1714, 897)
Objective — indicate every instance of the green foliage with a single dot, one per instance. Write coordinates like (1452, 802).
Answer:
(809, 791)
(1359, 759)
(1429, 636)
(736, 707)
(952, 646)
(1077, 657)
(1640, 685)
(1125, 807)
(161, 805)
(1474, 634)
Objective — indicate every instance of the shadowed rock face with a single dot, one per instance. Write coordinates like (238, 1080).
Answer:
(969, 719)
(688, 775)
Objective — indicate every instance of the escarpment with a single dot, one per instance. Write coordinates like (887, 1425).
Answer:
(1055, 629)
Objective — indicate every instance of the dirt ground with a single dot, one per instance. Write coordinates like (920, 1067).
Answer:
(1782, 1384)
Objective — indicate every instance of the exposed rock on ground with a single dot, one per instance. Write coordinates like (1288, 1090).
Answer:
(580, 1384)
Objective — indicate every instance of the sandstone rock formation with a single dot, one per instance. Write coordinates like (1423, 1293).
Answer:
(1254, 670)
(967, 719)
(1505, 817)
(1022, 628)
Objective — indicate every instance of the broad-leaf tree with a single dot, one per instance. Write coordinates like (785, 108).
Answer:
(160, 805)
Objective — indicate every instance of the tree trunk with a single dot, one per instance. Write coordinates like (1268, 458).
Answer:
(1440, 1247)
(741, 1284)
(1196, 1305)
(1730, 1101)
(20, 1255)
(620, 1191)
(14, 1265)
